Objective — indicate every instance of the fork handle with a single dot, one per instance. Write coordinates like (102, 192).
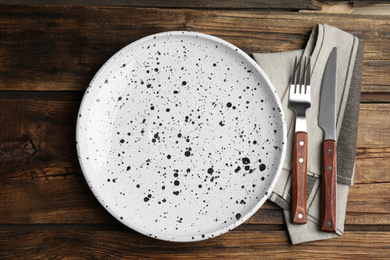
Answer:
(299, 187)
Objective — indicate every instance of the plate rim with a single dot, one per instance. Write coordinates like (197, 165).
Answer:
(253, 210)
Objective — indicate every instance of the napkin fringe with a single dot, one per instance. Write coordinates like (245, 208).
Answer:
(347, 141)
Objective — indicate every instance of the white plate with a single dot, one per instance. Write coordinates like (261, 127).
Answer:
(181, 136)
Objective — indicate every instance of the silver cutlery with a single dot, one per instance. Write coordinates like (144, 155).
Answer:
(300, 101)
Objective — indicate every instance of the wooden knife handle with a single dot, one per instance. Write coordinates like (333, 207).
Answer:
(329, 176)
(299, 187)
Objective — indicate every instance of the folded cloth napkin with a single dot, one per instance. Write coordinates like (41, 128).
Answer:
(279, 66)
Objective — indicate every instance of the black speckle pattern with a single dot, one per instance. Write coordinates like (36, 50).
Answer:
(180, 136)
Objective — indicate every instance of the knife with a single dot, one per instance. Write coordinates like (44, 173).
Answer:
(327, 121)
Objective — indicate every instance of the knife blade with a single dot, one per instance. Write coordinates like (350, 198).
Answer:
(327, 121)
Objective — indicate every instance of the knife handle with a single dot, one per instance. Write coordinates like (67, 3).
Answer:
(328, 198)
(299, 188)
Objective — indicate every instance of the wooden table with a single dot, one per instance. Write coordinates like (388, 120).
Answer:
(48, 55)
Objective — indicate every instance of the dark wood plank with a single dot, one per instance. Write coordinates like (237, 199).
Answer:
(358, 3)
(204, 4)
(42, 95)
(40, 176)
(234, 244)
(225, 4)
(55, 48)
(41, 181)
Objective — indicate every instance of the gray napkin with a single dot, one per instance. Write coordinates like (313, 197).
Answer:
(279, 66)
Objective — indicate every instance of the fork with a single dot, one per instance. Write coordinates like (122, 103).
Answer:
(299, 101)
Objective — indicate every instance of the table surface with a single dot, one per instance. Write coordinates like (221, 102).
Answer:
(49, 52)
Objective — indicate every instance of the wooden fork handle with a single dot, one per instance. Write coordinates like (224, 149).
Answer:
(299, 187)
(328, 194)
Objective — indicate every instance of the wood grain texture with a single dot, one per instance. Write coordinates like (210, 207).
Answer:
(62, 47)
(235, 244)
(356, 2)
(371, 164)
(48, 55)
(204, 4)
(47, 185)
(328, 187)
(299, 183)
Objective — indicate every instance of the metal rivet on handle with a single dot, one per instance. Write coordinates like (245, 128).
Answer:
(328, 224)
(329, 151)
(301, 143)
(300, 160)
(300, 216)
(329, 168)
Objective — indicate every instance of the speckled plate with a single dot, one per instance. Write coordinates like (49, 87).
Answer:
(181, 136)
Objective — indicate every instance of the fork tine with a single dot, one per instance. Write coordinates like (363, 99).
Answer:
(298, 83)
(303, 85)
(308, 73)
(293, 74)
